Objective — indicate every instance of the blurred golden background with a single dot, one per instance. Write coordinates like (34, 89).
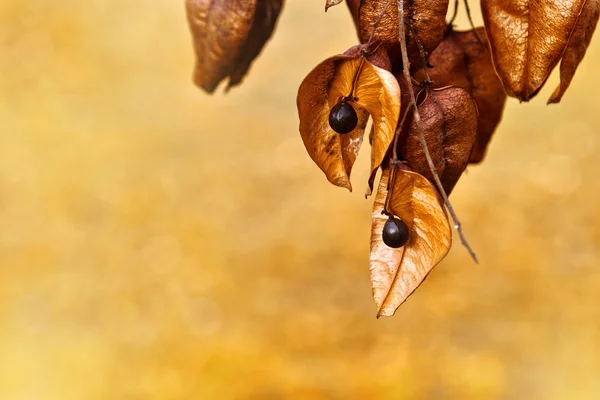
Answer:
(159, 243)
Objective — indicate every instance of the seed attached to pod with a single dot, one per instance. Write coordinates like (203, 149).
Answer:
(343, 118)
(395, 233)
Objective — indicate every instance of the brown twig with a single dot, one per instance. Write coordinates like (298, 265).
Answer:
(366, 50)
(388, 196)
(421, 134)
(395, 160)
(421, 54)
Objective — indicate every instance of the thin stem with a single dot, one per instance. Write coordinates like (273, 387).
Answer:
(356, 76)
(468, 10)
(421, 134)
(395, 159)
(421, 54)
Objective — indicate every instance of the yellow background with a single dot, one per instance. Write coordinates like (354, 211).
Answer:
(159, 243)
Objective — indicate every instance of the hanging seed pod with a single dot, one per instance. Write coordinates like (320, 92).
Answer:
(424, 19)
(227, 36)
(465, 61)
(578, 44)
(449, 121)
(373, 91)
(397, 272)
(529, 38)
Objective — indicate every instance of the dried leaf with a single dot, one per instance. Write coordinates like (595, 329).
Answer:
(376, 93)
(331, 3)
(449, 120)
(462, 60)
(426, 18)
(396, 273)
(578, 44)
(227, 36)
(527, 39)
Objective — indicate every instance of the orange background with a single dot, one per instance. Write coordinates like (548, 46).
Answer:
(159, 243)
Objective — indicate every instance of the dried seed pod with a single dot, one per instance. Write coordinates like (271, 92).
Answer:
(227, 36)
(462, 60)
(578, 44)
(528, 38)
(449, 121)
(397, 272)
(405, 118)
(373, 91)
(354, 6)
(424, 19)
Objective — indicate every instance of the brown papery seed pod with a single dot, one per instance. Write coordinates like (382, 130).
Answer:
(369, 89)
(227, 36)
(397, 272)
(424, 18)
(465, 61)
(527, 39)
(578, 44)
(354, 6)
(449, 121)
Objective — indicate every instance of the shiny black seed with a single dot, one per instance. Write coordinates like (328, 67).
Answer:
(343, 118)
(395, 233)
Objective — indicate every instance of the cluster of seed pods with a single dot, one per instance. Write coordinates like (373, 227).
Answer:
(434, 96)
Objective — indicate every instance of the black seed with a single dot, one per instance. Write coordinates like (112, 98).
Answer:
(395, 233)
(343, 118)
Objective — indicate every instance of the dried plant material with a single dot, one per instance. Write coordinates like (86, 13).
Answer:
(354, 6)
(370, 90)
(424, 18)
(578, 44)
(331, 3)
(405, 103)
(527, 39)
(465, 61)
(396, 273)
(449, 119)
(405, 118)
(435, 96)
(227, 36)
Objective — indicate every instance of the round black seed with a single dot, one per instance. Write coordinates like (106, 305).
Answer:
(395, 233)
(343, 118)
